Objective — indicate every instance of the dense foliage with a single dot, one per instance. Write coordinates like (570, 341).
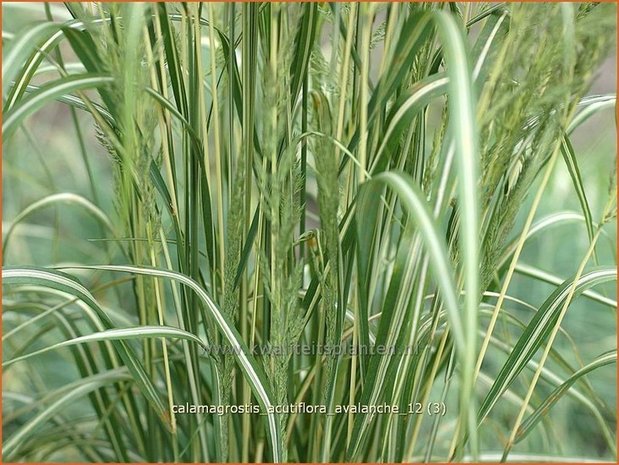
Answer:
(308, 232)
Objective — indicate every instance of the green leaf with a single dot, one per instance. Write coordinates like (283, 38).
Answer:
(20, 49)
(572, 167)
(137, 332)
(253, 371)
(544, 407)
(55, 199)
(538, 329)
(65, 283)
(462, 123)
(414, 203)
(87, 385)
(47, 93)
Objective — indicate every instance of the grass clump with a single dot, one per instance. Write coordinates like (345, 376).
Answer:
(342, 206)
